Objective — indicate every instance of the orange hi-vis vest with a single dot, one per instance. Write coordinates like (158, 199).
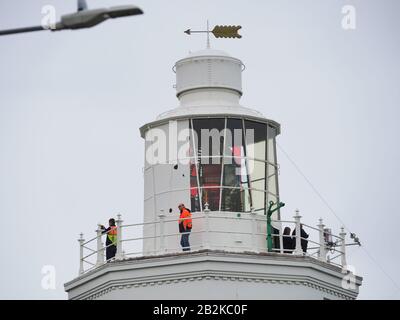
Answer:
(187, 223)
(112, 234)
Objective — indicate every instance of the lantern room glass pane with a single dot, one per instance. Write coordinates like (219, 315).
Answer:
(194, 190)
(211, 196)
(256, 137)
(272, 176)
(208, 136)
(210, 180)
(235, 199)
(256, 141)
(209, 139)
(259, 204)
(271, 145)
(235, 193)
(272, 169)
(194, 187)
(235, 170)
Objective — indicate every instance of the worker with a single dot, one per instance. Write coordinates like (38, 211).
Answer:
(288, 244)
(111, 241)
(185, 226)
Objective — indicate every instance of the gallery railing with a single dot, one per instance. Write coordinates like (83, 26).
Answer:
(321, 243)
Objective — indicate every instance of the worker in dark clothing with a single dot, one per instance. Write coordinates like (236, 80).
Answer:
(288, 244)
(185, 226)
(303, 235)
(111, 241)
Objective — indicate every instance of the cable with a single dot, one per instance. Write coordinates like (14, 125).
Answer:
(337, 217)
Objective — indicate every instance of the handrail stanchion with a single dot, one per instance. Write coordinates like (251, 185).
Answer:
(298, 250)
(100, 249)
(119, 221)
(81, 240)
(281, 239)
(162, 216)
(206, 211)
(253, 230)
(322, 247)
(343, 248)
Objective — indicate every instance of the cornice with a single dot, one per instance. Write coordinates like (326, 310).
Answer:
(216, 276)
(216, 256)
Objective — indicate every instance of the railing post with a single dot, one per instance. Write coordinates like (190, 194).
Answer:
(206, 211)
(322, 247)
(298, 250)
(162, 216)
(81, 241)
(253, 230)
(119, 255)
(343, 248)
(100, 248)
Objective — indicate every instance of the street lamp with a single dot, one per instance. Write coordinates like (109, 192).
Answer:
(84, 18)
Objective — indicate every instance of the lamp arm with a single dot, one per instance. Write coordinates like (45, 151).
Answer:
(21, 30)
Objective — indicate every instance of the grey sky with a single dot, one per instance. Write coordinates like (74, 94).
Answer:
(71, 104)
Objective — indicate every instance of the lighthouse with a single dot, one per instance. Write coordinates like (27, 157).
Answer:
(219, 159)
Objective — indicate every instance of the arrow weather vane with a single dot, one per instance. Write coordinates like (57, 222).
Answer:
(218, 32)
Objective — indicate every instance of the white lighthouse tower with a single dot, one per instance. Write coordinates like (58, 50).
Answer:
(219, 159)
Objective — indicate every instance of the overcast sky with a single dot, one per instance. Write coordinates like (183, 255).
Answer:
(72, 102)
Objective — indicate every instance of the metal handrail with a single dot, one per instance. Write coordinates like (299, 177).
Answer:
(209, 187)
(88, 241)
(194, 158)
(140, 224)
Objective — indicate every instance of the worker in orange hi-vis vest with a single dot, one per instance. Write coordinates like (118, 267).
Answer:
(185, 226)
(111, 241)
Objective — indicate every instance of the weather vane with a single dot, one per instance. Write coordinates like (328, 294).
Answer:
(218, 32)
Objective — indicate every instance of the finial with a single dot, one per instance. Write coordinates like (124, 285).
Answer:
(208, 35)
